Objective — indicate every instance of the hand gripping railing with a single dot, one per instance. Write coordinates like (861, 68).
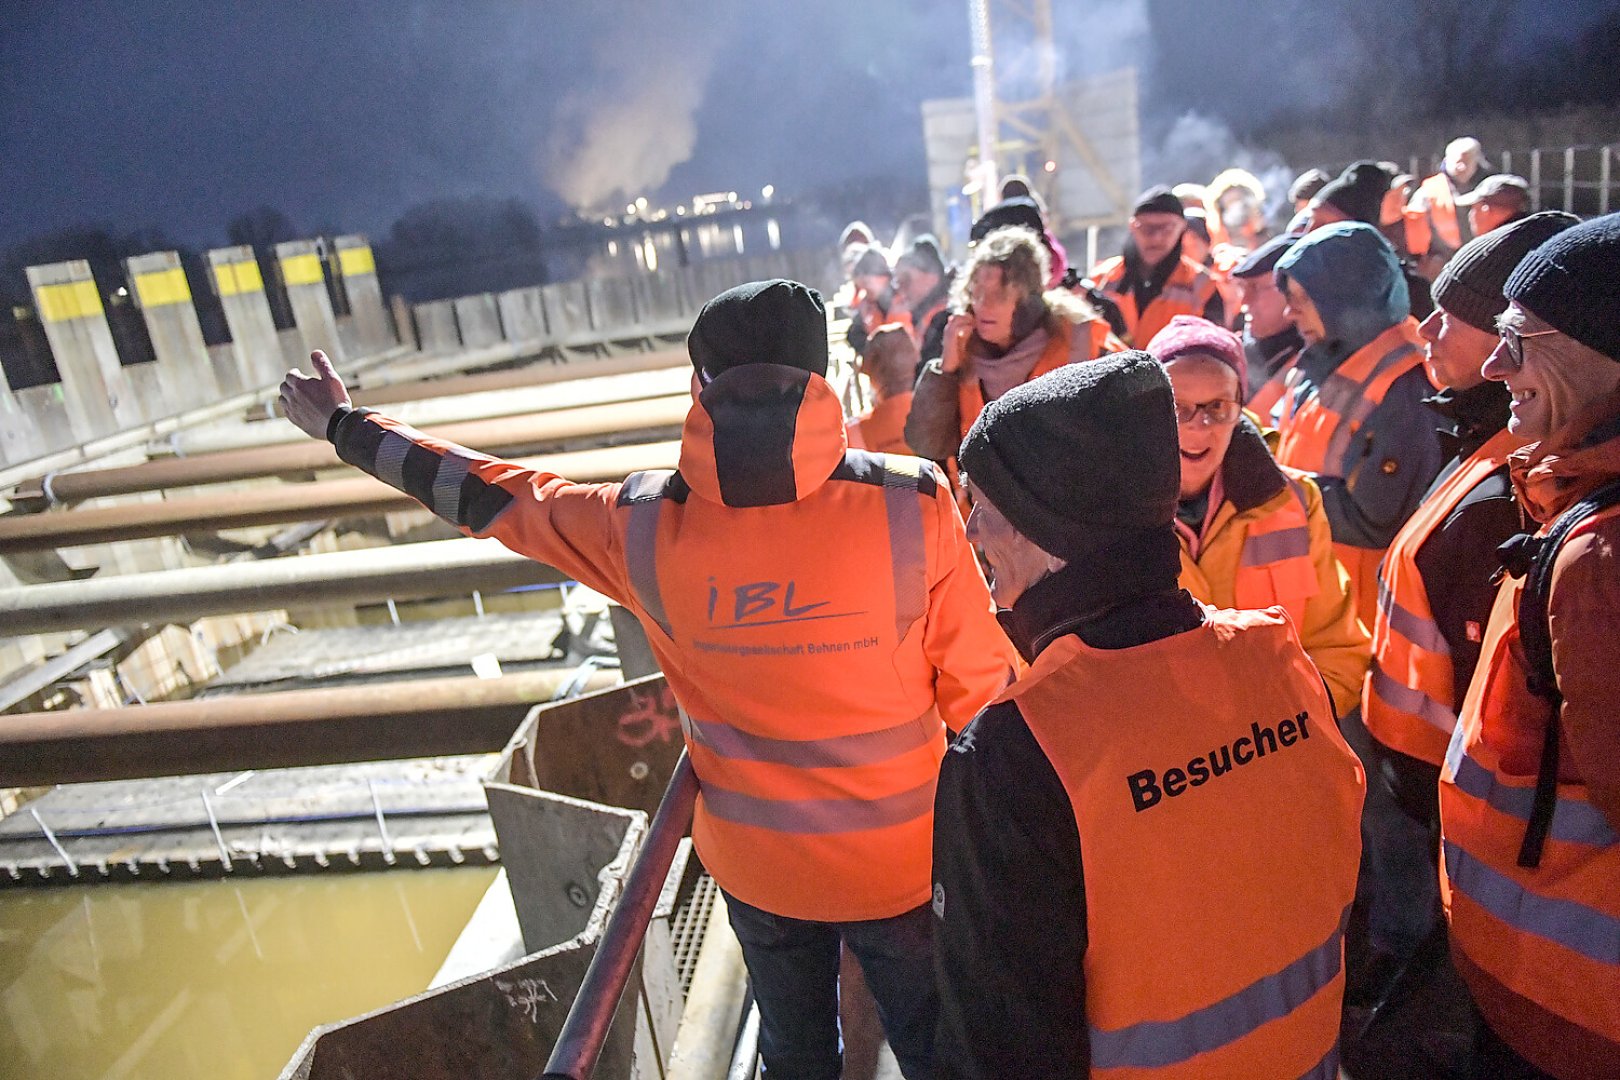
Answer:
(583, 1033)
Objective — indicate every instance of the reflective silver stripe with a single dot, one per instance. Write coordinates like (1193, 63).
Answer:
(1354, 406)
(908, 562)
(1574, 821)
(1424, 633)
(1157, 1043)
(838, 751)
(1576, 927)
(447, 486)
(1271, 547)
(641, 559)
(815, 816)
(1411, 701)
(390, 461)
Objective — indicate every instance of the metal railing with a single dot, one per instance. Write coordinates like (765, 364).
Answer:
(579, 1044)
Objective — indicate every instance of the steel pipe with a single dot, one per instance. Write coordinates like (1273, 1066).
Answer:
(500, 435)
(378, 721)
(285, 503)
(370, 575)
(539, 374)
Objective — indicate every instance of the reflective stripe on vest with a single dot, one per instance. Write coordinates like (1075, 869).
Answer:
(644, 492)
(1549, 936)
(1409, 701)
(1317, 437)
(1241, 975)
(1159, 1043)
(1276, 566)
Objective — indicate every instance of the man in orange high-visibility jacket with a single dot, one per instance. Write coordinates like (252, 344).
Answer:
(1435, 590)
(1144, 851)
(1434, 228)
(816, 676)
(1152, 282)
(1355, 413)
(1530, 792)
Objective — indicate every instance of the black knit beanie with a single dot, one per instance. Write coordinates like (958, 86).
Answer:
(1008, 212)
(1359, 191)
(1470, 286)
(1080, 457)
(762, 322)
(1572, 282)
(1158, 200)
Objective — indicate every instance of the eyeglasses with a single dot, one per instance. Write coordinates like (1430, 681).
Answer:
(1513, 344)
(1219, 413)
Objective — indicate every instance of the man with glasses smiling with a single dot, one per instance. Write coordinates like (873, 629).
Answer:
(1530, 787)
(1153, 282)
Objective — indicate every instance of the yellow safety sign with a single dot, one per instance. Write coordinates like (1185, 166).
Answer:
(301, 269)
(163, 287)
(356, 261)
(70, 300)
(238, 277)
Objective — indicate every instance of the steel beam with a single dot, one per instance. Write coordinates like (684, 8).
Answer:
(369, 575)
(501, 435)
(412, 718)
(286, 503)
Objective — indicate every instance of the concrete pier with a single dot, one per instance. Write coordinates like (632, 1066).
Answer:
(369, 319)
(188, 379)
(254, 341)
(100, 397)
(305, 279)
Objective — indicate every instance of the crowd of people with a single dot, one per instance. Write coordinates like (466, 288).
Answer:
(1291, 677)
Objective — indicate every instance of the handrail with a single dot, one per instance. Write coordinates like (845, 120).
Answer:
(579, 1044)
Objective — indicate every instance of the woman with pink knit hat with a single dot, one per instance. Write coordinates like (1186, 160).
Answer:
(1253, 534)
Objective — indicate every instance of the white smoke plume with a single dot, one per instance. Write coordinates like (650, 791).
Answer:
(1198, 147)
(635, 119)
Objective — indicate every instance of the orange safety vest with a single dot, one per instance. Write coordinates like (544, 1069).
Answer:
(1440, 215)
(1220, 835)
(789, 803)
(1187, 292)
(1263, 401)
(1409, 699)
(1319, 436)
(1538, 948)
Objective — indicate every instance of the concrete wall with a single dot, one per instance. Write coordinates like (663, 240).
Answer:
(479, 320)
(523, 314)
(358, 268)
(436, 326)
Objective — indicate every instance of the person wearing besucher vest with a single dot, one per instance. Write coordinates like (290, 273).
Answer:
(1435, 589)
(1152, 281)
(1354, 417)
(1534, 900)
(1005, 330)
(815, 676)
(1145, 849)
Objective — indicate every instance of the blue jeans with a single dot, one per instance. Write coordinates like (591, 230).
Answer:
(793, 965)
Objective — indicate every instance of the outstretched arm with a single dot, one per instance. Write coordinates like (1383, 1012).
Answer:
(535, 513)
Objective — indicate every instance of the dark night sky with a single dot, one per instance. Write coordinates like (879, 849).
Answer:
(178, 116)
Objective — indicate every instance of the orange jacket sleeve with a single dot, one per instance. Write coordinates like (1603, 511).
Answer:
(535, 513)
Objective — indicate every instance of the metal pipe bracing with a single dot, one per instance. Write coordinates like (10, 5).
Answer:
(579, 1044)
(286, 503)
(404, 719)
(531, 375)
(369, 575)
(500, 435)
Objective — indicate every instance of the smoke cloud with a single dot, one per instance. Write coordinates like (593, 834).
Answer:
(1197, 147)
(620, 132)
